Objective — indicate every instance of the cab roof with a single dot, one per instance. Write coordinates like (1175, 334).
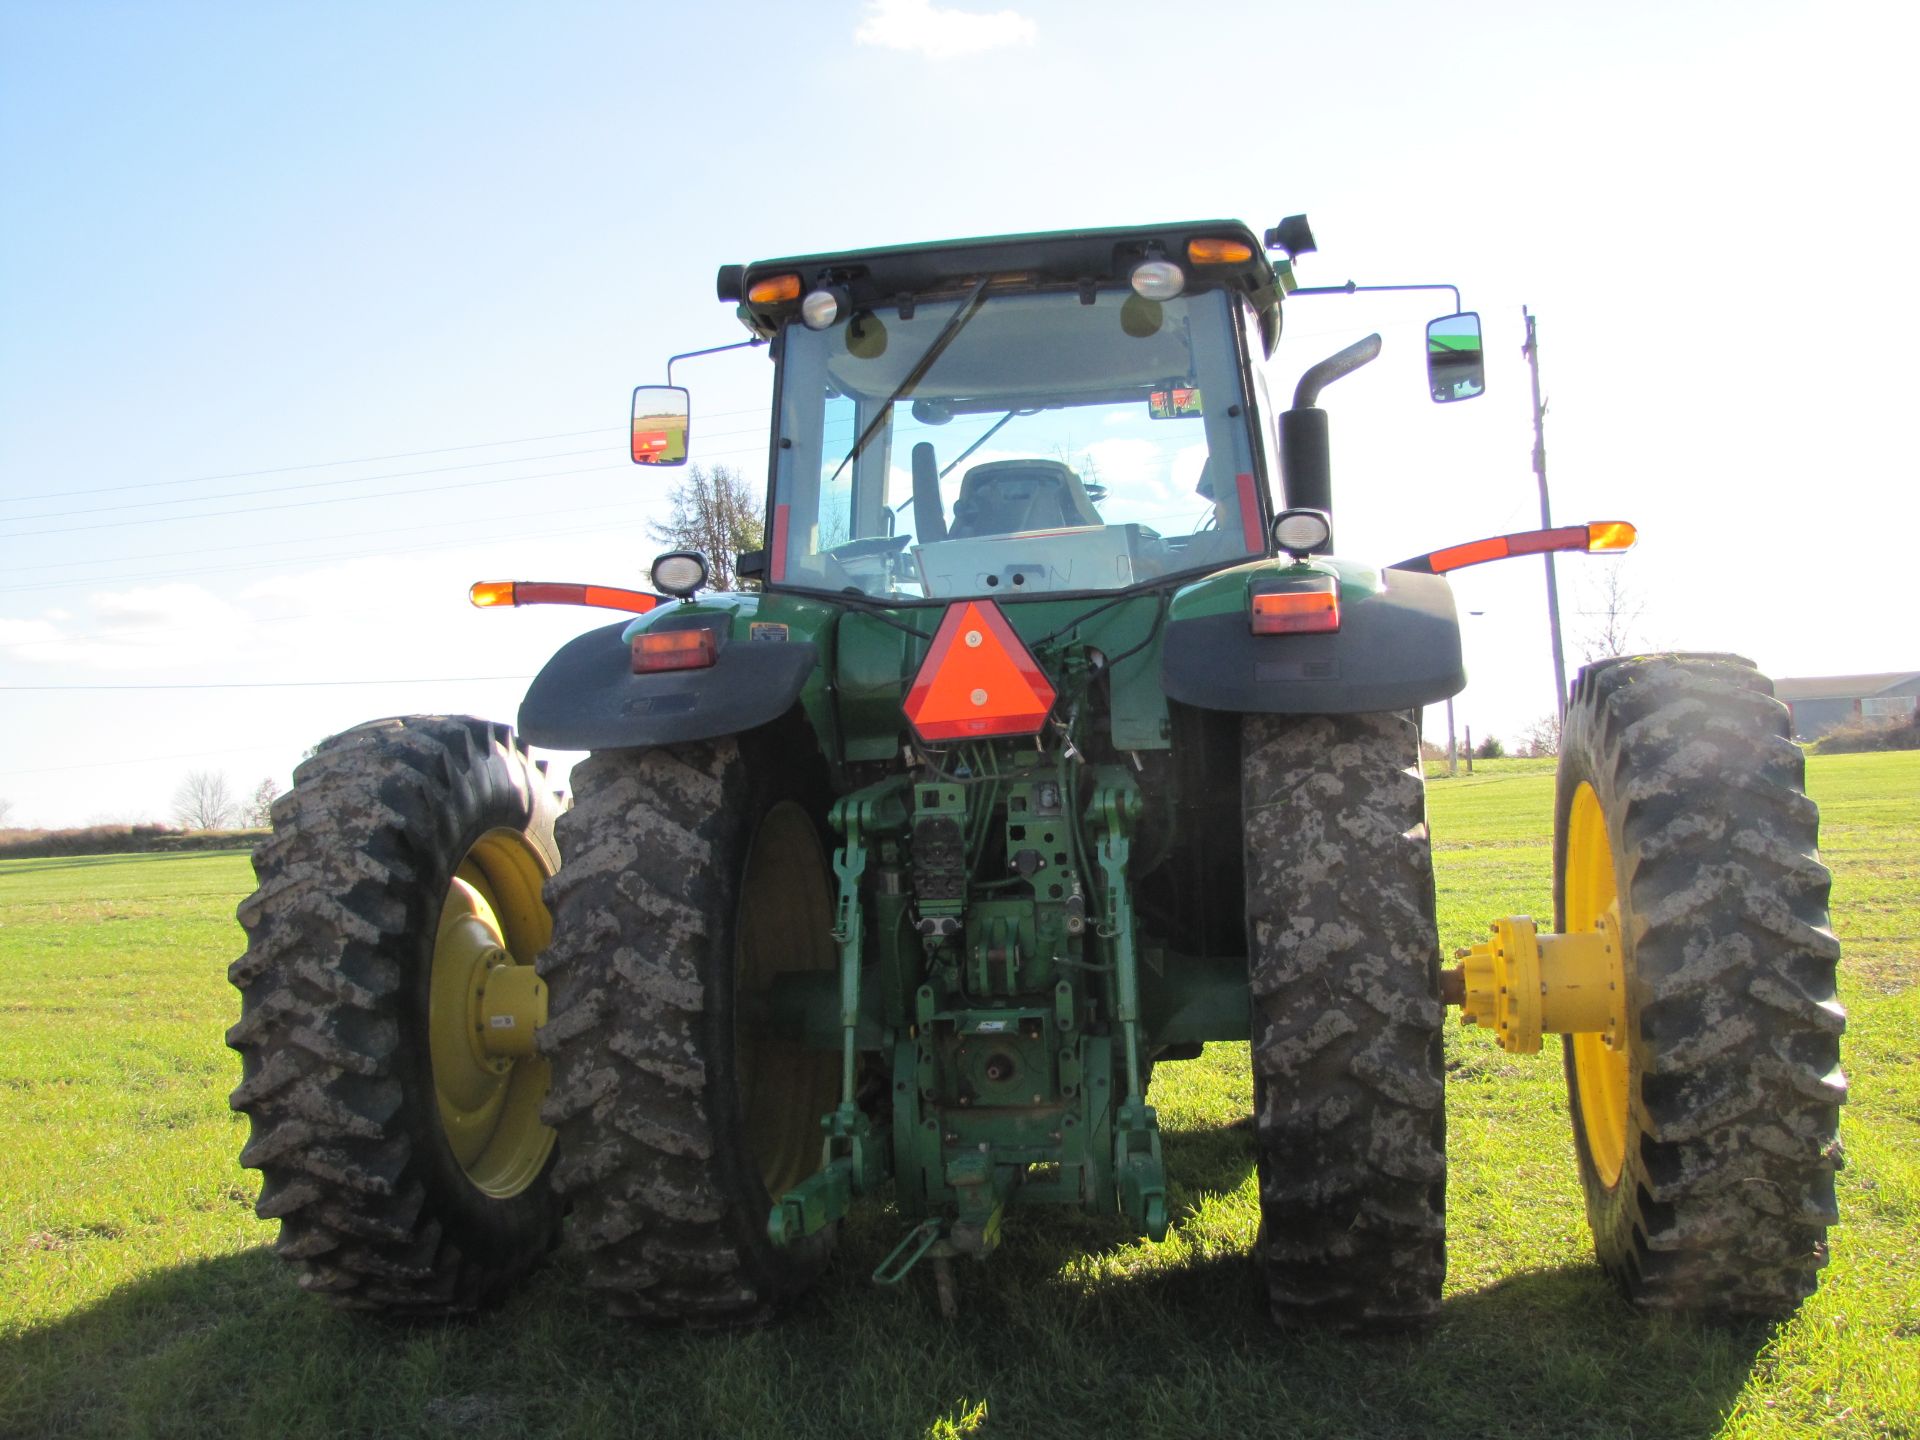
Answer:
(1089, 259)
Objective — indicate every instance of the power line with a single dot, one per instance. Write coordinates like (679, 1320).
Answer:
(286, 684)
(331, 464)
(308, 504)
(518, 532)
(328, 484)
(149, 760)
(255, 545)
(314, 465)
(308, 485)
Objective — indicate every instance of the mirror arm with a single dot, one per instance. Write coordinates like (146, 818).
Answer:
(1352, 289)
(711, 350)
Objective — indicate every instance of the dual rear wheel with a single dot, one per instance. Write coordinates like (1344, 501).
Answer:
(417, 1150)
(1706, 1142)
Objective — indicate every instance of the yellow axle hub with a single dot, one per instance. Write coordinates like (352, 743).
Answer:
(1522, 984)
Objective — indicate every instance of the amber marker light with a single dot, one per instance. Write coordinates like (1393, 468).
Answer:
(1219, 252)
(1313, 610)
(656, 650)
(1608, 536)
(486, 594)
(774, 290)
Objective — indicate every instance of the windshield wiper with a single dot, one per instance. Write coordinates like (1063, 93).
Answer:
(955, 324)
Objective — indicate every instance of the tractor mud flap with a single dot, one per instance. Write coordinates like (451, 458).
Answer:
(588, 698)
(1395, 650)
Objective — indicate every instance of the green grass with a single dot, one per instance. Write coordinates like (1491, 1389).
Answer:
(137, 1296)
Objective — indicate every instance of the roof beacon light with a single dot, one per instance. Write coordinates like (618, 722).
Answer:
(825, 306)
(680, 572)
(774, 290)
(1305, 608)
(978, 680)
(1219, 252)
(1158, 279)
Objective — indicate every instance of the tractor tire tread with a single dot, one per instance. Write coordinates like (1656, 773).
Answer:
(328, 944)
(1347, 1021)
(1736, 1082)
(657, 1197)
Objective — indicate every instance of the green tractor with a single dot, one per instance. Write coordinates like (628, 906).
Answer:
(1050, 742)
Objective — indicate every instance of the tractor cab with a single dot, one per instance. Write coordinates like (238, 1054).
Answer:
(1050, 414)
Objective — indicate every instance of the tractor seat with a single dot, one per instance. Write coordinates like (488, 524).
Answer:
(1006, 496)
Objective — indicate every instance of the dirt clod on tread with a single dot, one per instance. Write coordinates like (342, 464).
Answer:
(1343, 951)
(1734, 1061)
(372, 1207)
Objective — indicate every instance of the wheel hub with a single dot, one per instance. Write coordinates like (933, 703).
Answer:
(1522, 984)
(485, 1003)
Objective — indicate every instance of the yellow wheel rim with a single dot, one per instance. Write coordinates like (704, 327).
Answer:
(1592, 895)
(785, 928)
(489, 1104)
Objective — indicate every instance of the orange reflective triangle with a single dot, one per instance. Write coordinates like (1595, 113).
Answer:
(977, 680)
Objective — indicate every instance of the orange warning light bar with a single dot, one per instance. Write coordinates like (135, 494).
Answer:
(1314, 611)
(978, 680)
(487, 594)
(1219, 252)
(693, 649)
(774, 290)
(1598, 536)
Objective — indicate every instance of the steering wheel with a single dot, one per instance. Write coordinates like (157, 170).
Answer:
(876, 545)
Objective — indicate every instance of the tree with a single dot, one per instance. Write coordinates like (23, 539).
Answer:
(715, 513)
(1613, 622)
(1541, 738)
(1490, 749)
(260, 803)
(204, 801)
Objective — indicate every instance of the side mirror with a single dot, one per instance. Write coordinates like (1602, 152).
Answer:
(1456, 365)
(660, 425)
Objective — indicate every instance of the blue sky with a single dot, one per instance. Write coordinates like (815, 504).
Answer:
(256, 241)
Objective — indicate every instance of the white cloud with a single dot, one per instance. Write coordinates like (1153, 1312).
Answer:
(941, 34)
(147, 628)
(28, 632)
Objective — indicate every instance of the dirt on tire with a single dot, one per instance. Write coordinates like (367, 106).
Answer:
(669, 1206)
(374, 1210)
(1343, 955)
(1734, 1026)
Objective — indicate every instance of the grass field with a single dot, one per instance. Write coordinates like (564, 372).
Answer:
(138, 1297)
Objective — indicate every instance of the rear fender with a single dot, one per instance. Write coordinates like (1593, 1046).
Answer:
(1398, 646)
(588, 698)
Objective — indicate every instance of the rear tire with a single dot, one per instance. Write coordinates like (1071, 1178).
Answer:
(692, 877)
(408, 1175)
(1707, 1149)
(1343, 953)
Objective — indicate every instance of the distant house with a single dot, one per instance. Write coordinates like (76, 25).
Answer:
(1821, 702)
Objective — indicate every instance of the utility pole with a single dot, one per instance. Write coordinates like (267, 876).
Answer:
(1532, 351)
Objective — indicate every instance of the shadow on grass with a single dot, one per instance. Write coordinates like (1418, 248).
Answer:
(1052, 1339)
